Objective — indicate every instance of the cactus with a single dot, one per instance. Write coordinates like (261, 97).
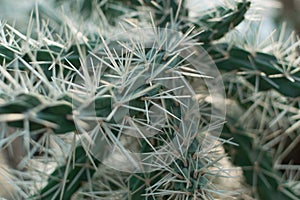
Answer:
(78, 99)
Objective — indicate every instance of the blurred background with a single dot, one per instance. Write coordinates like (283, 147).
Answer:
(291, 13)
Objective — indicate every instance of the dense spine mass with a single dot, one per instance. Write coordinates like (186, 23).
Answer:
(60, 92)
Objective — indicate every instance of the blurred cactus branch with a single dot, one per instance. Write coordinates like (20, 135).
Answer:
(268, 69)
(257, 164)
